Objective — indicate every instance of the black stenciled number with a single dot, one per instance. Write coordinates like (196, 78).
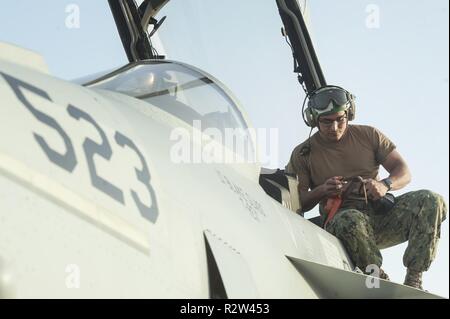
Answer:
(90, 149)
(150, 213)
(66, 161)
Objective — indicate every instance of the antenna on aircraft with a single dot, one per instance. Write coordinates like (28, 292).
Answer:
(156, 25)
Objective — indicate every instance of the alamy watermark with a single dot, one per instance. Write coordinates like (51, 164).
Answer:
(73, 16)
(373, 280)
(224, 146)
(373, 19)
(73, 277)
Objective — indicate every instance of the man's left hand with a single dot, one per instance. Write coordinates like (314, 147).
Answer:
(375, 189)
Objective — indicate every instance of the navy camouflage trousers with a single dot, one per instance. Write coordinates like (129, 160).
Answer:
(416, 218)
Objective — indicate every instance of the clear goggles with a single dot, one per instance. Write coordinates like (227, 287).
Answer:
(321, 100)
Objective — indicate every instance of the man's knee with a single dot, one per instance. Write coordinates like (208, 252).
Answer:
(433, 204)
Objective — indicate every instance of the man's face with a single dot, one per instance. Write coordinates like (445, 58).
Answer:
(332, 127)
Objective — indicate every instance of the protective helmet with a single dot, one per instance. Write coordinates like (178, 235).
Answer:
(328, 100)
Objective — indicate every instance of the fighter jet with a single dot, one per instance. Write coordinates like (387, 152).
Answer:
(105, 191)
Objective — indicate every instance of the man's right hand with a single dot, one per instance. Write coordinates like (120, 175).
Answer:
(333, 187)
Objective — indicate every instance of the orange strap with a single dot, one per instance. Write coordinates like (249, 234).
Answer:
(332, 206)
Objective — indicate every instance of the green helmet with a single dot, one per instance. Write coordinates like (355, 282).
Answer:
(329, 100)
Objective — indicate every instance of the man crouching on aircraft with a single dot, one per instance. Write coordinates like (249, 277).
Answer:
(338, 168)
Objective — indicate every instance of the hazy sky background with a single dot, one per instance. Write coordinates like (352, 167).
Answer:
(398, 71)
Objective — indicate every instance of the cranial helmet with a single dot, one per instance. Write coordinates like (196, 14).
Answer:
(328, 100)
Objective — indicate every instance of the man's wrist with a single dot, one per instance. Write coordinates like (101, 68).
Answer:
(388, 183)
(318, 193)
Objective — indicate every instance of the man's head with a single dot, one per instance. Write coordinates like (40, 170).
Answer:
(330, 108)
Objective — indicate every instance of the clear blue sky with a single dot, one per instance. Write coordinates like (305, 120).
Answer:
(399, 71)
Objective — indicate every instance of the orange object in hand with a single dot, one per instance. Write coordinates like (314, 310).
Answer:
(331, 208)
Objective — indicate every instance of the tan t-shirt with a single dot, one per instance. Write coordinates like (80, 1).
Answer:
(359, 153)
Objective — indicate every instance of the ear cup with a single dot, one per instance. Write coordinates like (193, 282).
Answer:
(309, 116)
(352, 108)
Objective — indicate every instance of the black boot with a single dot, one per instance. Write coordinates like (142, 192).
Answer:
(384, 275)
(413, 279)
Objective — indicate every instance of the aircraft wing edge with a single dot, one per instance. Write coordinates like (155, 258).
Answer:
(333, 283)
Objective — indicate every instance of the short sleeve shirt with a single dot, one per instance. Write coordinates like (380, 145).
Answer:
(359, 153)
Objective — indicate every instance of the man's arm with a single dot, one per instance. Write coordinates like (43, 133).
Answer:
(309, 199)
(398, 172)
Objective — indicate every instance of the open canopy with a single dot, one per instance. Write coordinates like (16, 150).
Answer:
(133, 22)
